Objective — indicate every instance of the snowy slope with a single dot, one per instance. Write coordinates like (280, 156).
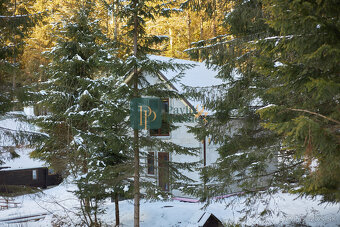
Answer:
(16, 133)
(60, 204)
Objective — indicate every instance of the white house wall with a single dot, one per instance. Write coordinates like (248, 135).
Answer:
(182, 137)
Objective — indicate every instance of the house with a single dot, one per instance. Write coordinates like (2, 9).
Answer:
(198, 76)
(15, 136)
(34, 177)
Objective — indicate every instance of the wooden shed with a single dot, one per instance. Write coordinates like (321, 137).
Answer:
(33, 177)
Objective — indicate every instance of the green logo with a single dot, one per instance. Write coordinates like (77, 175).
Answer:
(145, 113)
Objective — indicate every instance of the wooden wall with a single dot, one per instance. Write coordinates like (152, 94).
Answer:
(26, 177)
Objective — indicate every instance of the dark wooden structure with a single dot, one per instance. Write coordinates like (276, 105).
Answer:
(213, 221)
(33, 177)
(209, 220)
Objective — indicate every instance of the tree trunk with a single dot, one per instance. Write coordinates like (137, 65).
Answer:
(135, 131)
(115, 21)
(171, 41)
(214, 27)
(14, 57)
(189, 28)
(117, 209)
(201, 29)
(214, 18)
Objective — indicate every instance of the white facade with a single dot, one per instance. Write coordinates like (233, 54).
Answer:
(196, 76)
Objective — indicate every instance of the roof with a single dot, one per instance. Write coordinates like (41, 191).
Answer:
(200, 218)
(22, 162)
(10, 127)
(198, 76)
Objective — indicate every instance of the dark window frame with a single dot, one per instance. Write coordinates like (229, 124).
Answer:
(150, 160)
(165, 113)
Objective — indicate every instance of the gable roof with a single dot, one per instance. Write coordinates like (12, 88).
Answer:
(197, 76)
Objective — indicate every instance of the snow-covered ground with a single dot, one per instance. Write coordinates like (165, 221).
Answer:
(61, 205)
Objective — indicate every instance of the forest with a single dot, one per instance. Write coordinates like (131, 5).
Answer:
(278, 61)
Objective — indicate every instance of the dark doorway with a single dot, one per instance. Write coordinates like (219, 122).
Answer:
(163, 170)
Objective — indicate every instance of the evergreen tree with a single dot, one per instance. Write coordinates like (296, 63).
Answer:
(140, 66)
(275, 63)
(303, 63)
(86, 119)
(15, 25)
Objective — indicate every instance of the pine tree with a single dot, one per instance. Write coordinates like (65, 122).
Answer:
(15, 25)
(280, 99)
(303, 60)
(86, 120)
(139, 65)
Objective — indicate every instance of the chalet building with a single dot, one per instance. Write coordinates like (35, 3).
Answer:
(198, 76)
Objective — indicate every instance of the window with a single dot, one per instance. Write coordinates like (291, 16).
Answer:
(151, 162)
(34, 174)
(51, 171)
(165, 128)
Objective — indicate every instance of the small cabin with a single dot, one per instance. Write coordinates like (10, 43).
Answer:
(33, 177)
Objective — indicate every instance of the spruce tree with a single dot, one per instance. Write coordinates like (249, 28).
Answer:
(276, 116)
(139, 65)
(86, 119)
(303, 61)
(15, 25)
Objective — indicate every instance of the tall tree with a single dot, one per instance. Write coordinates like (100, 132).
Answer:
(84, 138)
(15, 25)
(137, 13)
(275, 63)
(303, 63)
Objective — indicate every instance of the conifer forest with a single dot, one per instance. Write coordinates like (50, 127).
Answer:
(169, 113)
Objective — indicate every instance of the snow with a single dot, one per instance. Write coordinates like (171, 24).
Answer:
(29, 111)
(278, 64)
(77, 57)
(60, 203)
(22, 162)
(13, 123)
(126, 188)
(198, 76)
(267, 106)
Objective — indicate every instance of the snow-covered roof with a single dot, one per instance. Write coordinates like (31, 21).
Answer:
(23, 161)
(11, 126)
(197, 76)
